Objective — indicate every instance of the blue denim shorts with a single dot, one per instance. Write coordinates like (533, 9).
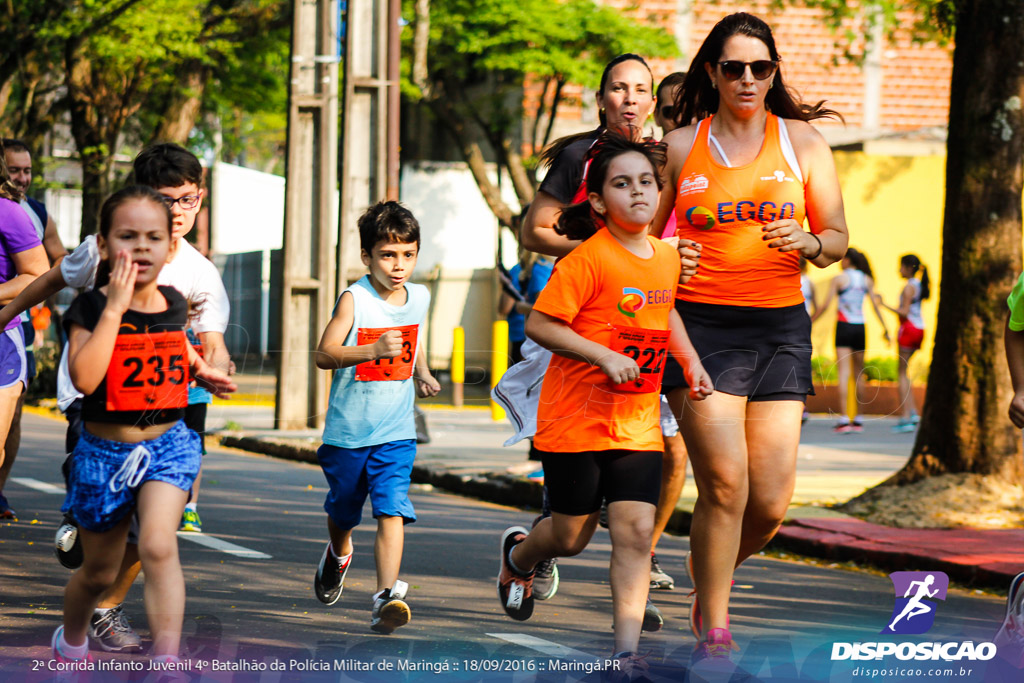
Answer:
(106, 475)
(381, 472)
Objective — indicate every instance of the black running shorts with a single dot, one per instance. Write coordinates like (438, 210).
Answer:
(577, 482)
(850, 336)
(761, 353)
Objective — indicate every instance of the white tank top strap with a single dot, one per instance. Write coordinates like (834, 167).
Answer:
(788, 153)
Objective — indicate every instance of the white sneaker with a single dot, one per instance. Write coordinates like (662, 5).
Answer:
(390, 610)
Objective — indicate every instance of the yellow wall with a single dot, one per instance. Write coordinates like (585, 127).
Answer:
(893, 207)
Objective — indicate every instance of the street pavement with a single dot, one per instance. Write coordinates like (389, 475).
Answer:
(251, 604)
(466, 456)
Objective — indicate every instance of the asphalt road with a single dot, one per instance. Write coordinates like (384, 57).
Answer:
(251, 604)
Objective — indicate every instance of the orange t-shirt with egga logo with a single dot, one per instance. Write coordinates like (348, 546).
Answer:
(609, 295)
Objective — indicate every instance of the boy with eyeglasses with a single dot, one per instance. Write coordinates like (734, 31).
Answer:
(175, 173)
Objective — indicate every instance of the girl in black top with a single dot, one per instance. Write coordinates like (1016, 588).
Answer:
(129, 356)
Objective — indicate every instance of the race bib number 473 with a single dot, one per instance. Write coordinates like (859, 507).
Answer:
(148, 372)
(648, 348)
(387, 369)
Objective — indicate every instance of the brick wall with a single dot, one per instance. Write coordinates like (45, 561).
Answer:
(915, 78)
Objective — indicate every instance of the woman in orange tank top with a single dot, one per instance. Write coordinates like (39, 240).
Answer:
(746, 175)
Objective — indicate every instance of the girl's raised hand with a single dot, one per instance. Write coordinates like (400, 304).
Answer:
(122, 283)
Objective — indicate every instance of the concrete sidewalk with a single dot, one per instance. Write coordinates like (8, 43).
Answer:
(466, 456)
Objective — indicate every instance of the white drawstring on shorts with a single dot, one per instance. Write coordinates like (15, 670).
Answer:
(132, 470)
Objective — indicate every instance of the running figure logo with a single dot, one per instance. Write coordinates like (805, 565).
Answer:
(914, 611)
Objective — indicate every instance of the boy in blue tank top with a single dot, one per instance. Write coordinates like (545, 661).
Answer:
(373, 345)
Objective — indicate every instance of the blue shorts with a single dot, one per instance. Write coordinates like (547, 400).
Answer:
(383, 472)
(13, 365)
(106, 475)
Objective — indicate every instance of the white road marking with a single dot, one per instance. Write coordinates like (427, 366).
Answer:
(222, 545)
(545, 646)
(38, 485)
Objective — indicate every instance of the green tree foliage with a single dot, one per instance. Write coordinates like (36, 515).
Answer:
(470, 65)
(133, 72)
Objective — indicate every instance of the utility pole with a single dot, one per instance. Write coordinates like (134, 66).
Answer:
(311, 182)
(369, 121)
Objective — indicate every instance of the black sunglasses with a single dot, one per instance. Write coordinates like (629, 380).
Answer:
(761, 69)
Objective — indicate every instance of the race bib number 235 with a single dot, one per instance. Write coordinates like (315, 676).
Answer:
(148, 372)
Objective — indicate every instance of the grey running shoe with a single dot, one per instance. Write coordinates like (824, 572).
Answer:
(545, 579)
(113, 633)
(545, 575)
(653, 621)
(390, 610)
(659, 579)
(66, 545)
(330, 578)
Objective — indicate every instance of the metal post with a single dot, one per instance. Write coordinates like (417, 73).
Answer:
(310, 186)
(458, 371)
(499, 362)
(365, 147)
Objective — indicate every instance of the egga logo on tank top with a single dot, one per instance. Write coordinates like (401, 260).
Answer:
(633, 300)
(742, 211)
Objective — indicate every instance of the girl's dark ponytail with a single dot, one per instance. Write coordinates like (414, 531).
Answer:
(914, 263)
(577, 222)
(926, 287)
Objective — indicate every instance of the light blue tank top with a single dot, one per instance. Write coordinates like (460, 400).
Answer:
(361, 414)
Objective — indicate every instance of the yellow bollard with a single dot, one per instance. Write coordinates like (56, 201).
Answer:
(458, 368)
(499, 362)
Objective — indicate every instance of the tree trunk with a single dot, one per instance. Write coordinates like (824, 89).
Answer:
(179, 117)
(964, 427)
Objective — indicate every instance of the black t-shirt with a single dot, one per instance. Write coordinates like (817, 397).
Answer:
(566, 173)
(86, 311)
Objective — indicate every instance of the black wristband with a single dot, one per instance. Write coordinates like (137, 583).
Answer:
(817, 253)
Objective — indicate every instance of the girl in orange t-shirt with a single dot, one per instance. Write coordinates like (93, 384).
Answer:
(607, 314)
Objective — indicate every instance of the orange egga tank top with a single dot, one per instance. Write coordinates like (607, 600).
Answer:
(725, 207)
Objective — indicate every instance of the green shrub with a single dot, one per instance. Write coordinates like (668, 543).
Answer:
(826, 371)
(882, 369)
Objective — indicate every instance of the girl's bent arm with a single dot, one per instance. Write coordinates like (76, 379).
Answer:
(89, 352)
(538, 229)
(38, 291)
(556, 336)
(332, 354)
(686, 355)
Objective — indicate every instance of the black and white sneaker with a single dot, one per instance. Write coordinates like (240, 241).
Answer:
(66, 545)
(653, 621)
(330, 578)
(515, 591)
(390, 609)
(113, 633)
(659, 579)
